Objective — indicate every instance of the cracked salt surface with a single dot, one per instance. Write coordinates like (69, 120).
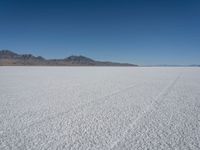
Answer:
(99, 108)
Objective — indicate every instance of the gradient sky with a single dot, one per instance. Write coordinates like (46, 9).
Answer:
(145, 32)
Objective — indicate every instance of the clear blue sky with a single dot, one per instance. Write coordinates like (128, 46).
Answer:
(137, 31)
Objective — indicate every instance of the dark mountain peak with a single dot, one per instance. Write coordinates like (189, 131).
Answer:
(30, 56)
(7, 54)
(27, 56)
(77, 58)
(5, 51)
(40, 57)
(80, 60)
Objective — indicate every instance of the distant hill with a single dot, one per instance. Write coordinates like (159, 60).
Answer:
(9, 58)
(172, 65)
(194, 65)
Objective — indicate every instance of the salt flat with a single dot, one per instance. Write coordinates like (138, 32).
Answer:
(99, 108)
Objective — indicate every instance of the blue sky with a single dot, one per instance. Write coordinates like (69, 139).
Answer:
(147, 32)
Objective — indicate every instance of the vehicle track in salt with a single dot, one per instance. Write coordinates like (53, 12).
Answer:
(73, 111)
(77, 110)
(152, 107)
(159, 95)
(158, 111)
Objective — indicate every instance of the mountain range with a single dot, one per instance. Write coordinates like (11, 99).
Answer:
(10, 58)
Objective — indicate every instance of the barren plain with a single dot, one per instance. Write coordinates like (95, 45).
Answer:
(103, 108)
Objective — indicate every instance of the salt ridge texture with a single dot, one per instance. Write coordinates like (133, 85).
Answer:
(99, 108)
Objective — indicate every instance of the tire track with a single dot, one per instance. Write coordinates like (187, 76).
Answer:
(127, 124)
(152, 107)
(77, 110)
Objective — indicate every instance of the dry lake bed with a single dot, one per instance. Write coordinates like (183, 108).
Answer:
(104, 108)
